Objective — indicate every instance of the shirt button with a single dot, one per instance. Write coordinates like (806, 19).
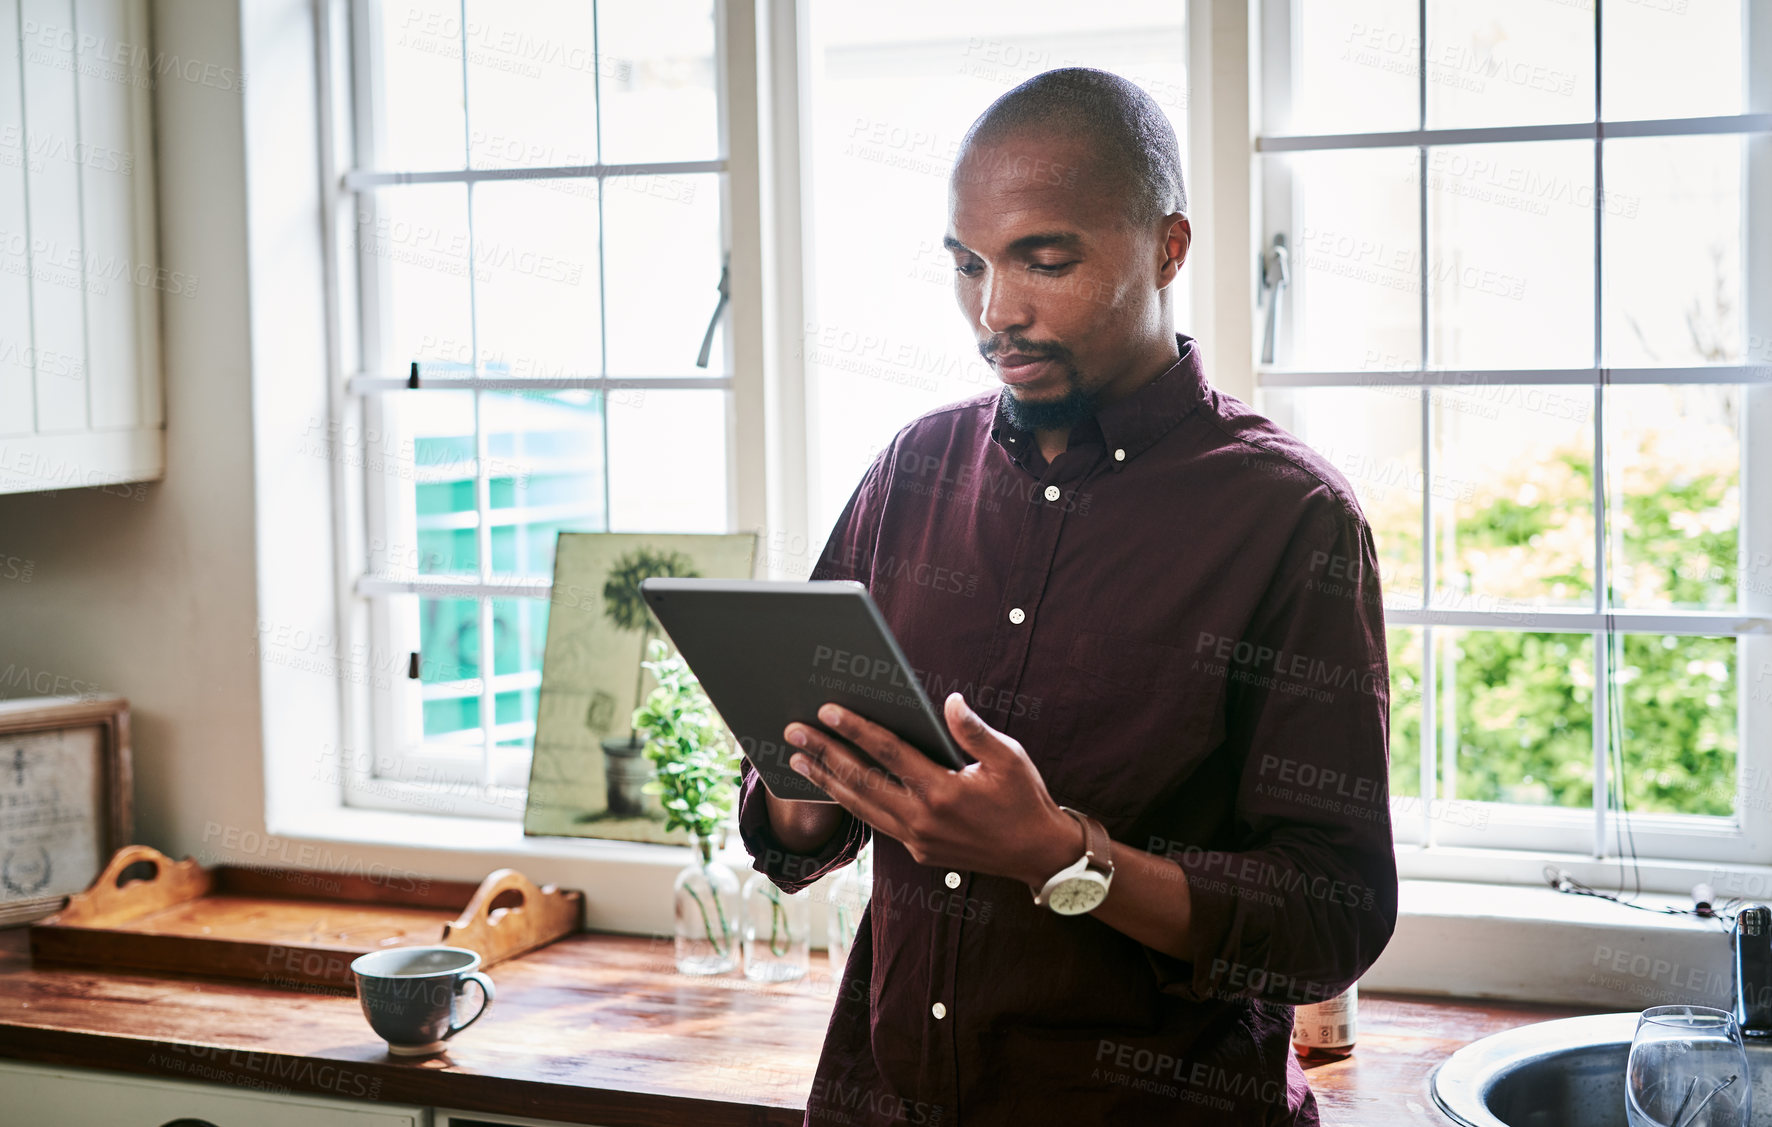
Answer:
(953, 880)
(1119, 455)
(1017, 616)
(940, 1011)
(1052, 493)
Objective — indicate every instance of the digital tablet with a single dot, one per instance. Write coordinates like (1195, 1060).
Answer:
(770, 652)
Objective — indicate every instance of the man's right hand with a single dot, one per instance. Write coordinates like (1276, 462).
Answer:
(802, 827)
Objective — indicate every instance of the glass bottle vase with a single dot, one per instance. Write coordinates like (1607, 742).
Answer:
(777, 931)
(850, 893)
(707, 912)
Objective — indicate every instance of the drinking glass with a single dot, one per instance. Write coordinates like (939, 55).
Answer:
(1687, 1068)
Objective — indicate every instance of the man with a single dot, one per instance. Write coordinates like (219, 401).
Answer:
(1161, 615)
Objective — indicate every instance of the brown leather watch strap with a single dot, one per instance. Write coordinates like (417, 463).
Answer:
(1097, 846)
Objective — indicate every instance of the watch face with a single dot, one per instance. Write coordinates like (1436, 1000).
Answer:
(1078, 895)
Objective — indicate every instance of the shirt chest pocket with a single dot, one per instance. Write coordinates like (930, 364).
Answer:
(1131, 721)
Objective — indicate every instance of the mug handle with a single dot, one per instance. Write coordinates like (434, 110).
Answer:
(487, 993)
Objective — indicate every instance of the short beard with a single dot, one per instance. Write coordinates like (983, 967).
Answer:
(1060, 414)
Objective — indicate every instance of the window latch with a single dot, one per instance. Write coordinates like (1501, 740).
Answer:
(707, 341)
(1276, 273)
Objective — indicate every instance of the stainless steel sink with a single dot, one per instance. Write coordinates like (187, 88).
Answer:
(1567, 1073)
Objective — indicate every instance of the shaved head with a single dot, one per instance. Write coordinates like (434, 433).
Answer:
(1067, 222)
(1133, 153)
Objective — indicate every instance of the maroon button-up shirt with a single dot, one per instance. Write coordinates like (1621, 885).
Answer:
(1198, 661)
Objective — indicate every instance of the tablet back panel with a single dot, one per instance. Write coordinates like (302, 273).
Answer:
(769, 652)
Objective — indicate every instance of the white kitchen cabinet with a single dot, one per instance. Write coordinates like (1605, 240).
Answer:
(32, 1094)
(80, 281)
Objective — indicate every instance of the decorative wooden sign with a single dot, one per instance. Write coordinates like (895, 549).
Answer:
(64, 798)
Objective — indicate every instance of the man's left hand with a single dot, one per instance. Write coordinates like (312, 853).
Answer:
(991, 816)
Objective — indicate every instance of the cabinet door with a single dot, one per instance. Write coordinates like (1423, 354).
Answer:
(78, 1098)
(80, 283)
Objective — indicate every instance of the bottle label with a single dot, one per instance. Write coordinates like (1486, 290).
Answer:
(1327, 1025)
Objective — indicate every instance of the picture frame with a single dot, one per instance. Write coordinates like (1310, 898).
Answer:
(589, 772)
(66, 789)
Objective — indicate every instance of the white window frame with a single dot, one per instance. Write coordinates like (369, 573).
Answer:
(761, 50)
(384, 763)
(1512, 842)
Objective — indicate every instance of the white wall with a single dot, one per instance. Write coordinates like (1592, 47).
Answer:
(148, 590)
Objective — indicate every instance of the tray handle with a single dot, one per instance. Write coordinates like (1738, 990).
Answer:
(542, 915)
(104, 903)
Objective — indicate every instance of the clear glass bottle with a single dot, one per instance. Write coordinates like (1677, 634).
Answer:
(850, 893)
(707, 912)
(777, 931)
(1326, 1030)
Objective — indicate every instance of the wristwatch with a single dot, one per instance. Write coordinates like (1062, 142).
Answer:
(1081, 886)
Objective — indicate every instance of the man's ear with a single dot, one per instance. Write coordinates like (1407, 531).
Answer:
(1176, 238)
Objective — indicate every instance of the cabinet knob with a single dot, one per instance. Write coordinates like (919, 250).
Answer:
(187, 1123)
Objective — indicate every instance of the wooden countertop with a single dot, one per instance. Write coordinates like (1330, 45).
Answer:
(593, 1029)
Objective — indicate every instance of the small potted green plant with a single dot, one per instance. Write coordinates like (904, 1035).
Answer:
(696, 767)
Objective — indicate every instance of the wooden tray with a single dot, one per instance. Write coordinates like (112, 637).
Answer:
(290, 927)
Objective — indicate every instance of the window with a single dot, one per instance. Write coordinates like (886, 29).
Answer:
(1526, 311)
(539, 219)
(892, 91)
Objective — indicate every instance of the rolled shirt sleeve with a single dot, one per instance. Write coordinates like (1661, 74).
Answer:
(1301, 901)
(847, 554)
(791, 871)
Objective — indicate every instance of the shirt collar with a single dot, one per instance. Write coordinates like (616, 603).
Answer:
(1131, 425)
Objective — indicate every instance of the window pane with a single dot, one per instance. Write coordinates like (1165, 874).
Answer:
(1521, 715)
(1514, 496)
(1509, 62)
(1673, 470)
(894, 90)
(449, 653)
(532, 83)
(1405, 655)
(1354, 67)
(664, 273)
(1673, 60)
(1354, 301)
(667, 461)
(1511, 255)
(658, 80)
(520, 628)
(1680, 741)
(535, 277)
(1674, 232)
(415, 243)
(545, 463)
(438, 428)
(416, 64)
(1373, 436)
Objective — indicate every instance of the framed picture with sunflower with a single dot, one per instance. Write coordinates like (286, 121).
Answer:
(64, 798)
(589, 772)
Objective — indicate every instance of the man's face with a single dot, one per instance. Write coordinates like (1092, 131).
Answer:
(1061, 292)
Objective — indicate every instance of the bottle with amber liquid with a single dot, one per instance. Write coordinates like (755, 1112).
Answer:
(1325, 1030)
